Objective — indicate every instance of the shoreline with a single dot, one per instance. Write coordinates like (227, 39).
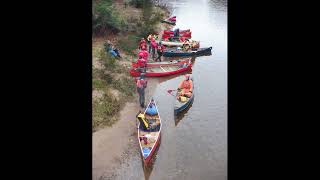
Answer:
(112, 145)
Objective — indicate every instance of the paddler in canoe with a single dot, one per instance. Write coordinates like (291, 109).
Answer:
(185, 88)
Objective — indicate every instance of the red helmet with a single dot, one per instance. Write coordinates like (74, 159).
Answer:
(140, 54)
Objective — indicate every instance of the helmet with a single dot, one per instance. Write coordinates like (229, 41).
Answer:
(140, 54)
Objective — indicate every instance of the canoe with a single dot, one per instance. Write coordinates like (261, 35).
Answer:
(180, 31)
(173, 52)
(180, 106)
(185, 35)
(175, 44)
(163, 70)
(168, 22)
(164, 63)
(152, 136)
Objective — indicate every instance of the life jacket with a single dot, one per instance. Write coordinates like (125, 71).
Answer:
(141, 62)
(154, 44)
(143, 121)
(186, 84)
(140, 83)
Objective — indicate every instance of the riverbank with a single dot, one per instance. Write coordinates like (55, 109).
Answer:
(114, 136)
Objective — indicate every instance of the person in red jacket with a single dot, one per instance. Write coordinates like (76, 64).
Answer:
(142, 43)
(145, 52)
(185, 87)
(153, 47)
(141, 84)
(160, 49)
(141, 62)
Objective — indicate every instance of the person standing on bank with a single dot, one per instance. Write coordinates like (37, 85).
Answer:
(160, 49)
(141, 85)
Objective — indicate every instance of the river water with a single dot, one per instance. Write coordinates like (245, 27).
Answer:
(193, 145)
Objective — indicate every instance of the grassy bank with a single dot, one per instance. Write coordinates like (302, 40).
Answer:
(112, 84)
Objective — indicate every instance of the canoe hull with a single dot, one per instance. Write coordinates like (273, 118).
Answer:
(135, 73)
(168, 22)
(164, 63)
(171, 32)
(148, 159)
(179, 54)
(185, 106)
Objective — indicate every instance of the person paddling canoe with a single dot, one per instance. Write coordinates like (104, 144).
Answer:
(185, 87)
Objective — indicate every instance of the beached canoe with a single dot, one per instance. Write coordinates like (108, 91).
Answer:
(180, 106)
(180, 31)
(173, 52)
(164, 63)
(168, 21)
(185, 35)
(162, 70)
(177, 43)
(149, 139)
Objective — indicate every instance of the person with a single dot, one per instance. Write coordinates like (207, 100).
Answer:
(160, 49)
(149, 39)
(176, 32)
(153, 47)
(142, 43)
(145, 52)
(185, 87)
(142, 63)
(111, 49)
(141, 85)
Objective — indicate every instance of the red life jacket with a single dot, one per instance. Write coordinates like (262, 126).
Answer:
(186, 84)
(141, 62)
(141, 83)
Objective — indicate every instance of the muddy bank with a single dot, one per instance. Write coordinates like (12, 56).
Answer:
(112, 146)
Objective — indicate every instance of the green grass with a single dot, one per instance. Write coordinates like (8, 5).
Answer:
(129, 43)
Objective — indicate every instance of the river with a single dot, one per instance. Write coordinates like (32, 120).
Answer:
(194, 145)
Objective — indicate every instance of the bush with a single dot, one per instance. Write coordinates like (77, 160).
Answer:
(125, 85)
(105, 17)
(128, 43)
(104, 111)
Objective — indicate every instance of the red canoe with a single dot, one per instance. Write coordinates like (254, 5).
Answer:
(187, 35)
(149, 139)
(163, 70)
(181, 31)
(164, 63)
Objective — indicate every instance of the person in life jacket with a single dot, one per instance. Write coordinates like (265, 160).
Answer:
(153, 47)
(185, 87)
(141, 85)
(142, 43)
(160, 49)
(142, 63)
(149, 39)
(145, 52)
